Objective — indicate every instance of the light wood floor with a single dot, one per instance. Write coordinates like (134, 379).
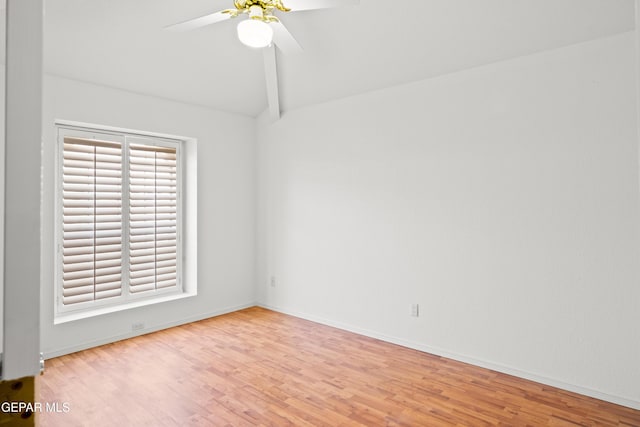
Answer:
(258, 367)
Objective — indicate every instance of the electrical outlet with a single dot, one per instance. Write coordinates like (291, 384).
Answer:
(415, 310)
(137, 326)
(272, 282)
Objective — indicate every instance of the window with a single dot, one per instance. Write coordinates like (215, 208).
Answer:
(119, 218)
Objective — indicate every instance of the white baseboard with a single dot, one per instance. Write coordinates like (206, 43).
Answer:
(108, 340)
(633, 404)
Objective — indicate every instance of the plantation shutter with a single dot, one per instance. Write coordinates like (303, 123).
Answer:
(92, 220)
(152, 217)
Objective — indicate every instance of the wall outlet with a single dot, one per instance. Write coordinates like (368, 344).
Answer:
(137, 326)
(272, 282)
(415, 310)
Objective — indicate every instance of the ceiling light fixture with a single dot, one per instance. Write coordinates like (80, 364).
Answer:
(255, 32)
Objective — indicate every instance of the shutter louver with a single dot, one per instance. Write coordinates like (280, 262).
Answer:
(152, 217)
(92, 220)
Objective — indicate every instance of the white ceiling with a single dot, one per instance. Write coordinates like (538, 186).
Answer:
(350, 50)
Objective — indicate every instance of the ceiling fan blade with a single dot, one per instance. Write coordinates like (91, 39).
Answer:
(284, 40)
(271, 75)
(296, 5)
(192, 24)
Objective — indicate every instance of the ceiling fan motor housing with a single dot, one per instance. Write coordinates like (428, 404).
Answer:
(267, 6)
(256, 12)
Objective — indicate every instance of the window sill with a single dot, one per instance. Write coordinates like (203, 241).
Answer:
(61, 318)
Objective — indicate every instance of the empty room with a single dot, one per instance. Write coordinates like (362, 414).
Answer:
(320, 213)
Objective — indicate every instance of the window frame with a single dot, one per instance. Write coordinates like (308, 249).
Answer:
(127, 299)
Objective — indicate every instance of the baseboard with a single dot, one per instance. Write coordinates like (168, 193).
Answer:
(633, 404)
(124, 336)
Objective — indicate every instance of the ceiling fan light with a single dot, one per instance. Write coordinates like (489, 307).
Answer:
(255, 33)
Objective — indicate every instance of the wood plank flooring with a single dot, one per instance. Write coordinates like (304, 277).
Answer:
(257, 367)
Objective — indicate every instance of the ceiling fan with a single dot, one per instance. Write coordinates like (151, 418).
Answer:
(262, 27)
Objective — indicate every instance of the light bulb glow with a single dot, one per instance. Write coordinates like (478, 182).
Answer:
(255, 33)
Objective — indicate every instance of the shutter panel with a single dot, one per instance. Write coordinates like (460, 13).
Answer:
(152, 217)
(92, 220)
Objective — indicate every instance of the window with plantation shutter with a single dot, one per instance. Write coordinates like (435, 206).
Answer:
(92, 220)
(119, 219)
(152, 219)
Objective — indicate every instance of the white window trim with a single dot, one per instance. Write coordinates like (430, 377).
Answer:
(187, 202)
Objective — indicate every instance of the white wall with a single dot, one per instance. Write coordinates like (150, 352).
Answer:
(226, 207)
(502, 199)
(2, 173)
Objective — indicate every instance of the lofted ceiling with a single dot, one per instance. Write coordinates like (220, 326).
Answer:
(348, 50)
